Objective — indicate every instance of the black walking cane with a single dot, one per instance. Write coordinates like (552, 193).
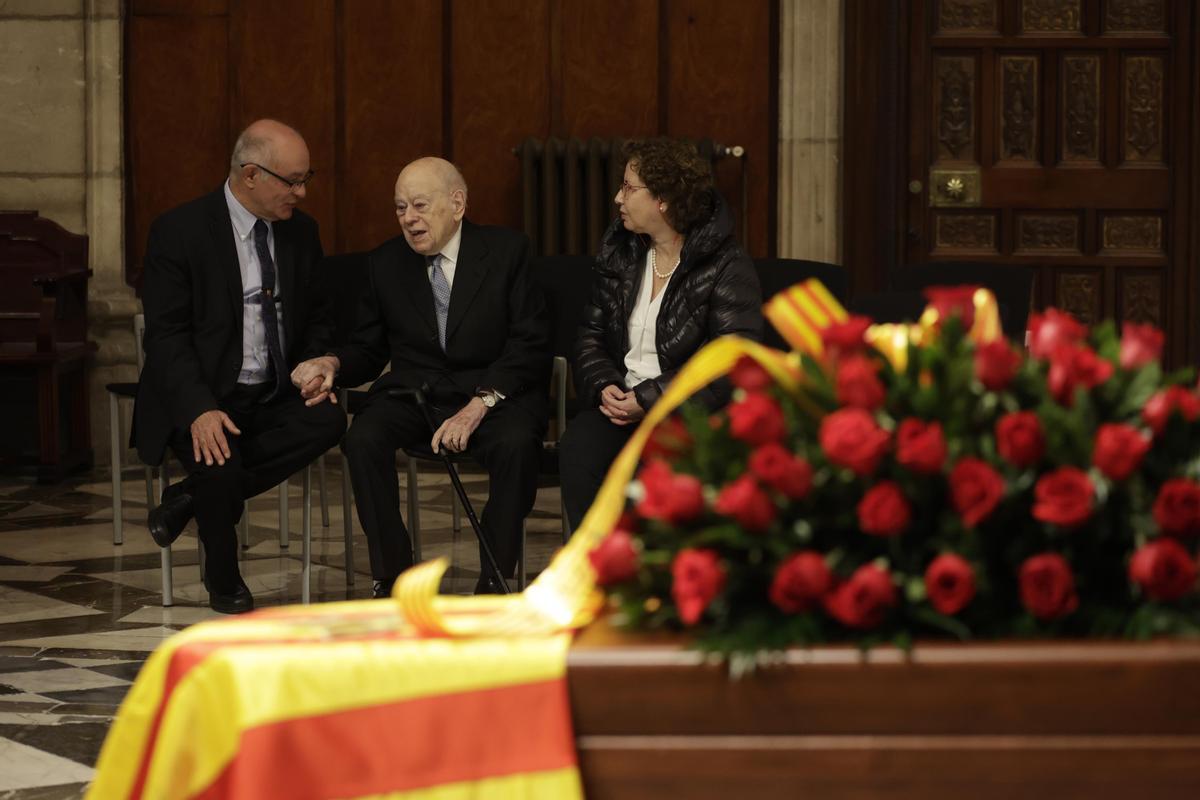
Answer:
(418, 397)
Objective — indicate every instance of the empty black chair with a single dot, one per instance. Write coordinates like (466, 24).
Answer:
(1011, 283)
(777, 274)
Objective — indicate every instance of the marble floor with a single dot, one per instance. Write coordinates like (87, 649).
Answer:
(79, 615)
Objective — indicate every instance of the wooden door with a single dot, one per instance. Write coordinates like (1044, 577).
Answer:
(1054, 133)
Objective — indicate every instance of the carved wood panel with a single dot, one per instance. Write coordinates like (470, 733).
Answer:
(968, 16)
(1081, 109)
(1142, 121)
(954, 108)
(1079, 294)
(1051, 234)
(1051, 16)
(1019, 108)
(965, 234)
(1135, 16)
(1141, 297)
(1078, 116)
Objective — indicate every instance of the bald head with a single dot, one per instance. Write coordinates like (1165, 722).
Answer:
(431, 199)
(268, 158)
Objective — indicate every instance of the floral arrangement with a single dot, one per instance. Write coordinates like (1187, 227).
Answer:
(950, 485)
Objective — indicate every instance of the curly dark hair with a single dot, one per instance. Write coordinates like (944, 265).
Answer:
(674, 172)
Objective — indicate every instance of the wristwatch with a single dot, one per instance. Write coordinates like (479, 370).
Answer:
(488, 398)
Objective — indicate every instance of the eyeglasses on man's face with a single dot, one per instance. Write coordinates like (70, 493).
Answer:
(294, 185)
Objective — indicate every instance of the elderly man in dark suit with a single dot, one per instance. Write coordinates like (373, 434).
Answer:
(453, 307)
(230, 304)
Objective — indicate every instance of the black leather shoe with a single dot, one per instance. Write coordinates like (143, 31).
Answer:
(382, 588)
(169, 518)
(239, 602)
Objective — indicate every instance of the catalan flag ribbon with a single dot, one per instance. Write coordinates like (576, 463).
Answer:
(802, 312)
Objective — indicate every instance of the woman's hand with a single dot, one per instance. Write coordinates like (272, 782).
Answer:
(619, 406)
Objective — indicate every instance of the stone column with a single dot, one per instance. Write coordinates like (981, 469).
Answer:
(810, 129)
(61, 154)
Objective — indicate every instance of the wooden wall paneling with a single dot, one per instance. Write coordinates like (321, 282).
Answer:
(500, 58)
(187, 8)
(719, 79)
(879, 160)
(176, 149)
(610, 68)
(283, 67)
(391, 96)
(1184, 242)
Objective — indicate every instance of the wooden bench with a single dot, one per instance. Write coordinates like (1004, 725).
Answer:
(43, 346)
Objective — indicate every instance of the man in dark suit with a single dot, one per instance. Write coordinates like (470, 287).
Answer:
(453, 306)
(230, 304)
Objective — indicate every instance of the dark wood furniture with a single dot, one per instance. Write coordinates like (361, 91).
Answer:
(43, 346)
(987, 720)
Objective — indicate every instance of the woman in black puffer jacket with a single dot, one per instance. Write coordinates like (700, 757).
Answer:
(669, 278)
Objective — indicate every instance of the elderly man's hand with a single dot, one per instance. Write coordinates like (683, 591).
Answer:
(208, 437)
(456, 431)
(314, 379)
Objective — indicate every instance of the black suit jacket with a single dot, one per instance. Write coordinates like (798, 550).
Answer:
(497, 333)
(192, 299)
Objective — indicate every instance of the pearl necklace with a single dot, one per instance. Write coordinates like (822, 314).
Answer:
(654, 267)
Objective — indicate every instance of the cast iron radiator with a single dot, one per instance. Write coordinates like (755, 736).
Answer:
(567, 189)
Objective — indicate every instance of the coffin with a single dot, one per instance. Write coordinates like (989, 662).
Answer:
(991, 720)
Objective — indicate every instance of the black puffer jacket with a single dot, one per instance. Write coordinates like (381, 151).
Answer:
(713, 292)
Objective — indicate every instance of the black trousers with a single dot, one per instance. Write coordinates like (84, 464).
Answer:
(507, 444)
(587, 449)
(278, 438)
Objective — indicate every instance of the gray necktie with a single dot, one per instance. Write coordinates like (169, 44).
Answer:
(441, 296)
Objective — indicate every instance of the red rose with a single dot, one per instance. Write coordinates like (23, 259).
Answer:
(850, 438)
(1177, 507)
(1063, 497)
(996, 363)
(846, 337)
(863, 600)
(1073, 367)
(950, 301)
(748, 374)
(696, 578)
(1118, 450)
(615, 559)
(949, 583)
(1163, 569)
(669, 497)
(800, 582)
(1019, 439)
(975, 490)
(1140, 345)
(857, 384)
(1159, 408)
(1048, 331)
(748, 504)
(884, 510)
(756, 419)
(787, 474)
(921, 446)
(1047, 586)
(669, 439)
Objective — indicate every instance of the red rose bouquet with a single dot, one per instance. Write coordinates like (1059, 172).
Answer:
(951, 484)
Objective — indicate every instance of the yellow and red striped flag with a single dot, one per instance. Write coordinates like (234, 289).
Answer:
(802, 312)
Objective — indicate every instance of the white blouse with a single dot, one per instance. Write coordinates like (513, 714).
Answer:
(641, 362)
